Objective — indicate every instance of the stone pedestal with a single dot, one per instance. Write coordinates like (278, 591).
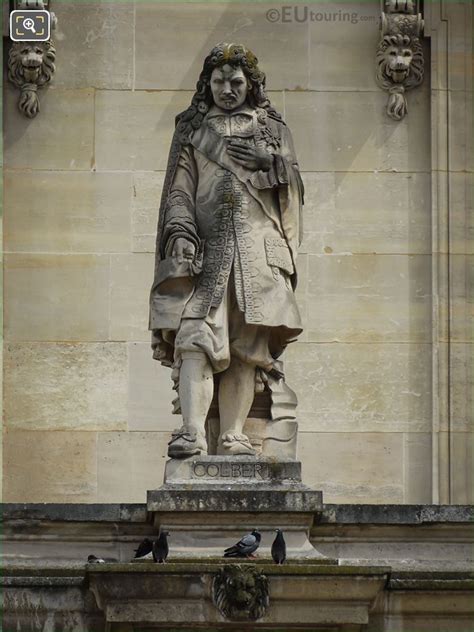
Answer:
(208, 503)
(240, 470)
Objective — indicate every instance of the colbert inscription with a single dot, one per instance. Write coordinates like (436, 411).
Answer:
(259, 471)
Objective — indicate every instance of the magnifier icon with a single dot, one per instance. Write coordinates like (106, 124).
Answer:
(29, 25)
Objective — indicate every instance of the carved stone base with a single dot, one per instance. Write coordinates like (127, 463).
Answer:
(239, 470)
(208, 503)
(210, 595)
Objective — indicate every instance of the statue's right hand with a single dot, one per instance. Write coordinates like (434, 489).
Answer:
(183, 250)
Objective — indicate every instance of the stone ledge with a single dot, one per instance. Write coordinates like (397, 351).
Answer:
(431, 584)
(329, 514)
(42, 581)
(317, 567)
(74, 512)
(234, 499)
(324, 567)
(395, 514)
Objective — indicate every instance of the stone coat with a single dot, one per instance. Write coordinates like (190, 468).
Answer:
(241, 222)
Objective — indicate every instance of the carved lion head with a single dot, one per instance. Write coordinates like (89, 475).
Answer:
(399, 60)
(399, 67)
(31, 66)
(240, 592)
(31, 62)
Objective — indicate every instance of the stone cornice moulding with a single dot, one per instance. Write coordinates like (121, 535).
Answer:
(399, 57)
(31, 65)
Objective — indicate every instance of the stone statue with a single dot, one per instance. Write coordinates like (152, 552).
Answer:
(222, 305)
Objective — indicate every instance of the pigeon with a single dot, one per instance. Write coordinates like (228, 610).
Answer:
(92, 559)
(160, 547)
(144, 549)
(279, 548)
(246, 546)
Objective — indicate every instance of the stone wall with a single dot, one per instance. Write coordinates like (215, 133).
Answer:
(87, 412)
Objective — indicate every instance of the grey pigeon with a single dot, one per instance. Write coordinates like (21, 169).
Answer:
(144, 549)
(279, 548)
(246, 546)
(161, 548)
(92, 559)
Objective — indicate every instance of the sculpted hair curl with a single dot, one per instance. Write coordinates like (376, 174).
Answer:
(234, 55)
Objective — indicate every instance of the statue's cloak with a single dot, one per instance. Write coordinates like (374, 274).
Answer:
(279, 192)
(242, 223)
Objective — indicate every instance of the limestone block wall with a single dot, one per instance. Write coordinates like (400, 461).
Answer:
(87, 411)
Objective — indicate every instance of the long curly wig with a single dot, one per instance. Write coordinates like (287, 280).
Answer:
(234, 55)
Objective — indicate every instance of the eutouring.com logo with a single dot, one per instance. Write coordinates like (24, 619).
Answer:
(303, 14)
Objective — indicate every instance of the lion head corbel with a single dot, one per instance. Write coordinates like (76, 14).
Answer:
(399, 60)
(31, 66)
(240, 592)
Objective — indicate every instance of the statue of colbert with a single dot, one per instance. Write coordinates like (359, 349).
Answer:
(229, 227)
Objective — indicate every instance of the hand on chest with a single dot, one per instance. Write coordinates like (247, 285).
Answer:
(244, 143)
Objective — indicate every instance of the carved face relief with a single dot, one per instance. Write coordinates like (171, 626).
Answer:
(240, 592)
(31, 56)
(398, 63)
(31, 66)
(229, 87)
(31, 62)
(399, 67)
